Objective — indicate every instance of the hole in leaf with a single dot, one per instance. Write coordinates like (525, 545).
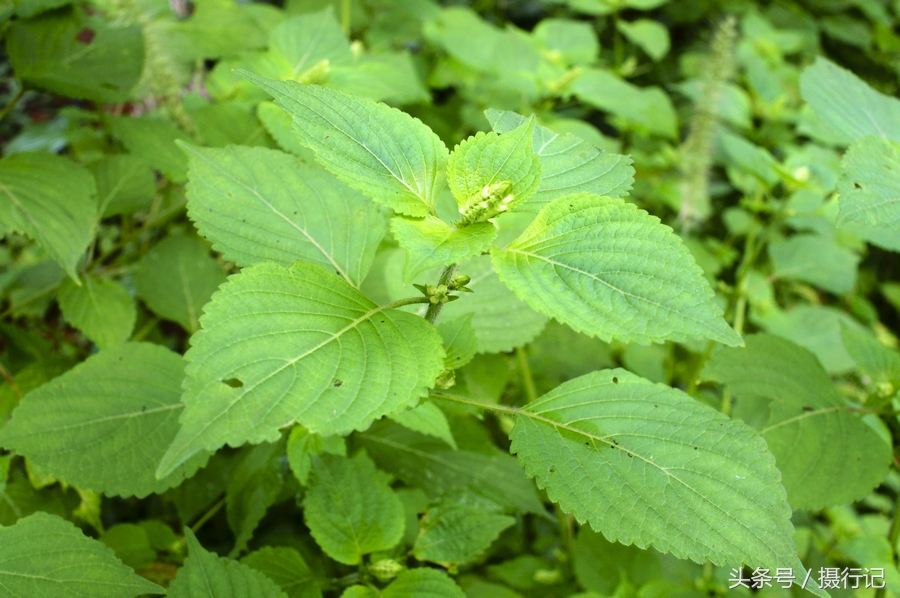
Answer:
(233, 383)
(86, 35)
(615, 380)
(338, 383)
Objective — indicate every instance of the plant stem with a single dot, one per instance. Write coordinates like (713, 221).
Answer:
(9, 380)
(12, 103)
(527, 379)
(209, 514)
(402, 302)
(435, 308)
(345, 17)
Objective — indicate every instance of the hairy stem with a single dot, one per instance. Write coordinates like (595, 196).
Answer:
(435, 308)
(209, 514)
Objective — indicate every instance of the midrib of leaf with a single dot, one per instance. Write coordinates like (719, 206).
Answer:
(610, 285)
(299, 229)
(806, 415)
(296, 70)
(364, 146)
(509, 155)
(309, 352)
(118, 186)
(561, 426)
(118, 416)
(22, 209)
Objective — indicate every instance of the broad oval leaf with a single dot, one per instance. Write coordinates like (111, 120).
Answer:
(568, 164)
(105, 424)
(207, 575)
(45, 555)
(257, 205)
(848, 104)
(350, 510)
(870, 185)
(810, 429)
(650, 466)
(431, 242)
(453, 533)
(488, 158)
(609, 269)
(101, 308)
(280, 346)
(286, 567)
(51, 200)
(385, 153)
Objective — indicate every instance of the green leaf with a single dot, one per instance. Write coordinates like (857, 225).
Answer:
(385, 77)
(51, 200)
(817, 328)
(297, 321)
(176, 278)
(575, 42)
(601, 565)
(489, 159)
(279, 209)
(423, 583)
(609, 269)
(460, 342)
(101, 308)
(303, 444)
(254, 486)
(307, 40)
(650, 466)
(650, 36)
(431, 242)
(816, 260)
(426, 419)
(128, 396)
(568, 164)
(454, 533)
(286, 567)
(153, 140)
(878, 361)
(48, 52)
(384, 153)
(870, 185)
(350, 510)
(125, 184)
(425, 462)
(648, 108)
(501, 321)
(811, 431)
(131, 544)
(205, 575)
(44, 555)
(848, 104)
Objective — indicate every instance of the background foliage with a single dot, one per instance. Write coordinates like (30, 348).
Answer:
(763, 133)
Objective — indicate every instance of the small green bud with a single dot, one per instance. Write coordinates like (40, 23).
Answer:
(386, 569)
(459, 282)
(437, 294)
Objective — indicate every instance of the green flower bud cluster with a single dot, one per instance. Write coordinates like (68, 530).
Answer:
(492, 200)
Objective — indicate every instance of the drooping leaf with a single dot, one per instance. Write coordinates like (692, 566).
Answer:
(101, 308)
(431, 242)
(816, 328)
(305, 41)
(48, 52)
(105, 424)
(609, 269)
(302, 445)
(573, 41)
(460, 342)
(176, 278)
(454, 533)
(870, 185)
(650, 36)
(880, 362)
(648, 108)
(817, 260)
(426, 419)
(384, 153)
(426, 462)
(489, 159)
(44, 555)
(601, 565)
(254, 486)
(153, 140)
(423, 582)
(650, 466)
(501, 320)
(568, 164)
(206, 575)
(848, 104)
(125, 184)
(307, 328)
(350, 511)
(131, 544)
(286, 567)
(810, 430)
(389, 77)
(257, 204)
(51, 200)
